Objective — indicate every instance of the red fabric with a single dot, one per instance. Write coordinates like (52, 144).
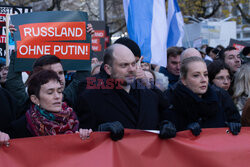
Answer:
(214, 147)
(64, 122)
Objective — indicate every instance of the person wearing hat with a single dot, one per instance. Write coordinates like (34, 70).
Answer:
(131, 45)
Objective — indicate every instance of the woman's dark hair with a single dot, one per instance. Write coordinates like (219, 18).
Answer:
(215, 67)
(209, 49)
(220, 47)
(215, 51)
(39, 78)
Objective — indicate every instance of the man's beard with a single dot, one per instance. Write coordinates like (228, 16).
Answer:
(123, 81)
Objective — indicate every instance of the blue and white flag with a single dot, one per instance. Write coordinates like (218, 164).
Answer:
(175, 24)
(147, 26)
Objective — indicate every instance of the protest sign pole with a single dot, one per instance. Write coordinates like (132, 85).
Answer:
(101, 9)
(7, 39)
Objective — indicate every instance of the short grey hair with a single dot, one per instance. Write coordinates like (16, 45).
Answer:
(161, 81)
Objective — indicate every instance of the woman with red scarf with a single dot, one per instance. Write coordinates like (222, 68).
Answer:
(47, 114)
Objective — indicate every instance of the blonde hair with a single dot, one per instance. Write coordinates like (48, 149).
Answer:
(242, 82)
(184, 65)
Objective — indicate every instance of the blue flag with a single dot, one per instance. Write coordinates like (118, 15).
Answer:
(147, 26)
(175, 24)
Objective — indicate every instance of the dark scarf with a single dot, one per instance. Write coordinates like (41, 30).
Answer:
(195, 107)
(43, 123)
(131, 100)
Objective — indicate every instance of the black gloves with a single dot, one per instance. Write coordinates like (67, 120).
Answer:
(195, 128)
(234, 127)
(167, 130)
(116, 129)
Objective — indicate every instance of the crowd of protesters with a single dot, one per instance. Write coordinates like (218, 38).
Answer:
(199, 88)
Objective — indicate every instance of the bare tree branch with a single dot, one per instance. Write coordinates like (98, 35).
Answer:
(118, 29)
(52, 7)
(243, 14)
(55, 3)
(90, 11)
(215, 9)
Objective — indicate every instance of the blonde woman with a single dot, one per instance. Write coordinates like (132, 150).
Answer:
(242, 87)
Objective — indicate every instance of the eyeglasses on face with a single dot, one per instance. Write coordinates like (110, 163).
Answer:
(222, 78)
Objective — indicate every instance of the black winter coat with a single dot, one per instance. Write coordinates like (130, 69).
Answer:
(107, 105)
(8, 110)
(211, 111)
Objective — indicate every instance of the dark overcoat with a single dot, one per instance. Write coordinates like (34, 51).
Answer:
(105, 105)
(211, 110)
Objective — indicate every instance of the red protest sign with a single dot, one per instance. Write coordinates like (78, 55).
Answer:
(238, 46)
(95, 41)
(59, 33)
(98, 38)
(53, 31)
(38, 39)
(99, 34)
(63, 50)
(97, 47)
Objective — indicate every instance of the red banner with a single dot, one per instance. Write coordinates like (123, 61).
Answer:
(214, 147)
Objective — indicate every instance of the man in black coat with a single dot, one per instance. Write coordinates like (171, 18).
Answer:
(119, 101)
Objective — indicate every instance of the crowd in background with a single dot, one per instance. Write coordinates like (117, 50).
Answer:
(199, 88)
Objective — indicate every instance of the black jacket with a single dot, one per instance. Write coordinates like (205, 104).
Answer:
(211, 111)
(19, 128)
(8, 110)
(142, 111)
